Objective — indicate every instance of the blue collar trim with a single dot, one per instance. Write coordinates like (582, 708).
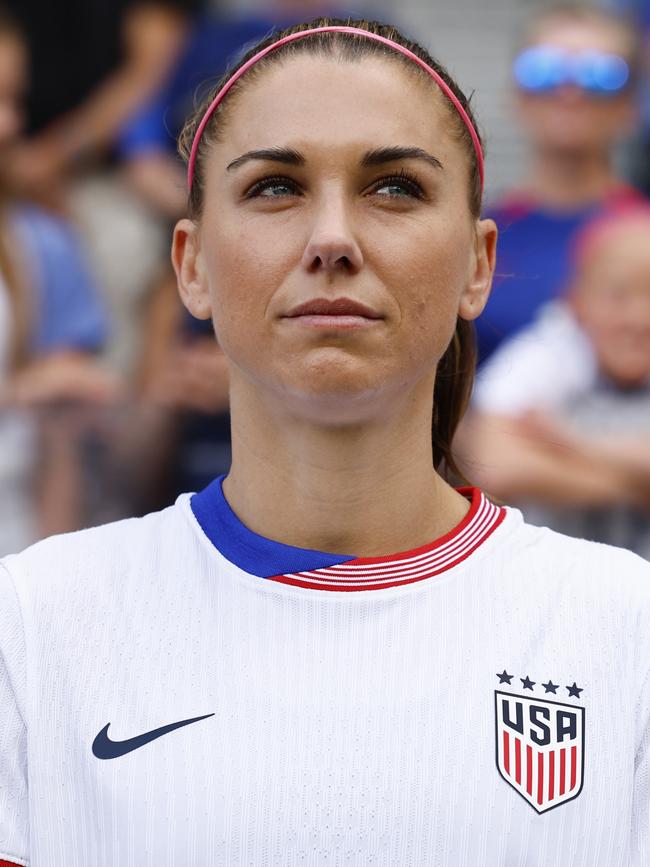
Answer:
(250, 552)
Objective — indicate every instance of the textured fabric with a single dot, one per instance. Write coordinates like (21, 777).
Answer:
(14, 808)
(317, 728)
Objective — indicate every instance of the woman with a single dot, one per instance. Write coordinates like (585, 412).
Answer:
(226, 682)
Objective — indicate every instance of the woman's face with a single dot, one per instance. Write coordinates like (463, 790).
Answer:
(336, 247)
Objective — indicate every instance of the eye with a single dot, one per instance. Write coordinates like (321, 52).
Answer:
(272, 188)
(402, 185)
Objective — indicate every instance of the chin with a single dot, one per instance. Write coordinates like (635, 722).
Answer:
(336, 371)
(335, 387)
(341, 400)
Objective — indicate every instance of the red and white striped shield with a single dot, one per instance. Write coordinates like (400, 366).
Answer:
(540, 748)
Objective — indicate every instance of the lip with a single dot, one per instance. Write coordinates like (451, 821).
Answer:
(332, 308)
(333, 314)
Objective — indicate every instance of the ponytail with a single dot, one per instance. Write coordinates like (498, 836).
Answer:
(451, 395)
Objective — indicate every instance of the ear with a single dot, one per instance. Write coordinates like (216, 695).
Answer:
(187, 260)
(483, 261)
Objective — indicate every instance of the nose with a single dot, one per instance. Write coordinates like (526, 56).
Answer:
(571, 94)
(332, 245)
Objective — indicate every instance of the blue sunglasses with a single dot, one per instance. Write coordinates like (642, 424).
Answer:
(544, 68)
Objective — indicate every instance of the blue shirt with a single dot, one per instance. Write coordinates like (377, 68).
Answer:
(213, 45)
(67, 312)
(533, 262)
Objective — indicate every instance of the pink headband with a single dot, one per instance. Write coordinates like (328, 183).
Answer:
(353, 31)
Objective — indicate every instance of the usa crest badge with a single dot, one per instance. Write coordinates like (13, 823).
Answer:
(540, 748)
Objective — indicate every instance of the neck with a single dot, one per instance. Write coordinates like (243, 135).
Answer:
(367, 489)
(570, 179)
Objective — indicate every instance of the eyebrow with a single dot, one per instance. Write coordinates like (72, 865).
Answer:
(376, 157)
(388, 155)
(287, 156)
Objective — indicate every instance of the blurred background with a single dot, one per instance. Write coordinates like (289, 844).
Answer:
(113, 400)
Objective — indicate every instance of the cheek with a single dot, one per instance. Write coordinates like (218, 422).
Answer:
(243, 269)
(436, 324)
(431, 286)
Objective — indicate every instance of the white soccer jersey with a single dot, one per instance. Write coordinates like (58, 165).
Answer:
(176, 690)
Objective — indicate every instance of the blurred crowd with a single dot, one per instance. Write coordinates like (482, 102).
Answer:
(113, 399)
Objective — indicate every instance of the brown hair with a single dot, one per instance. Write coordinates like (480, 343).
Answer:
(455, 373)
(9, 271)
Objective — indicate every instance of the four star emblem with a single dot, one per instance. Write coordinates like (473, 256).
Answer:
(574, 690)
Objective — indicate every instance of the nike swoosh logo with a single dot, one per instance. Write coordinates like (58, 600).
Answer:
(105, 748)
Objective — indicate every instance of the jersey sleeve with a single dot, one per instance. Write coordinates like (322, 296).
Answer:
(14, 819)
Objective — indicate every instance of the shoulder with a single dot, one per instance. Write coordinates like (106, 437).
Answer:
(591, 572)
(99, 562)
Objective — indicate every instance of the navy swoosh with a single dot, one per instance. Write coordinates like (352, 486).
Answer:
(105, 748)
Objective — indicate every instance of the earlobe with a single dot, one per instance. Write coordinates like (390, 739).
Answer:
(476, 293)
(187, 260)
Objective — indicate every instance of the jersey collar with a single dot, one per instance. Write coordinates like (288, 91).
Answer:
(318, 570)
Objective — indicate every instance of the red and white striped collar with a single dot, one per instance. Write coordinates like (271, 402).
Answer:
(376, 573)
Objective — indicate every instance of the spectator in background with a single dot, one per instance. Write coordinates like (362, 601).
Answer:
(561, 415)
(575, 78)
(50, 325)
(147, 142)
(93, 64)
